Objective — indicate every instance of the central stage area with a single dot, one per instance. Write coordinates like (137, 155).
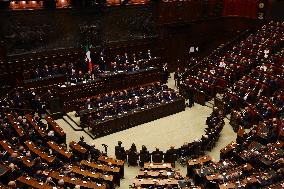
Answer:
(185, 126)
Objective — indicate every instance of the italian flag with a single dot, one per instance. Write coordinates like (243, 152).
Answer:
(88, 59)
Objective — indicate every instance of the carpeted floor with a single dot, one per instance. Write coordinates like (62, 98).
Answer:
(173, 130)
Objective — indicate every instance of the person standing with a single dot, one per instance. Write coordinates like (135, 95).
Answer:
(165, 73)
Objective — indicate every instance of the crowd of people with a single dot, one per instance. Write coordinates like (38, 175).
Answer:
(258, 95)
(33, 152)
(255, 160)
(219, 70)
(35, 148)
(99, 64)
(198, 147)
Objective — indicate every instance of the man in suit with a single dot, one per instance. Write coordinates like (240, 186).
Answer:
(165, 73)
(133, 155)
(125, 58)
(144, 156)
(113, 66)
(80, 76)
(171, 155)
(149, 55)
(157, 156)
(102, 63)
(46, 71)
(63, 69)
(134, 59)
(88, 75)
(73, 76)
(89, 104)
(268, 113)
(55, 70)
(140, 56)
(18, 100)
(120, 153)
(36, 73)
(118, 60)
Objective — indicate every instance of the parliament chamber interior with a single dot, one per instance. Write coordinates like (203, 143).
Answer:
(142, 94)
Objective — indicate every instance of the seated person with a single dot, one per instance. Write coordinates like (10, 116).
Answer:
(120, 153)
(46, 71)
(133, 156)
(80, 76)
(171, 155)
(144, 156)
(157, 156)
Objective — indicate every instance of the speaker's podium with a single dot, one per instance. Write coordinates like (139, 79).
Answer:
(56, 108)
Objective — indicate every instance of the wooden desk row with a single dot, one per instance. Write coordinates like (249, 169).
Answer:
(113, 162)
(104, 168)
(32, 182)
(60, 150)
(24, 159)
(155, 182)
(15, 124)
(45, 81)
(56, 128)
(227, 151)
(197, 163)
(32, 147)
(107, 84)
(73, 182)
(77, 148)
(137, 117)
(39, 130)
(154, 174)
(243, 183)
(110, 170)
(157, 166)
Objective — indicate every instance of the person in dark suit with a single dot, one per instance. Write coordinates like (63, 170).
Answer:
(89, 104)
(63, 69)
(102, 63)
(113, 66)
(46, 71)
(171, 156)
(55, 70)
(125, 58)
(73, 76)
(133, 155)
(144, 156)
(148, 55)
(177, 77)
(18, 100)
(157, 156)
(118, 60)
(268, 113)
(88, 75)
(36, 73)
(80, 76)
(165, 73)
(134, 59)
(120, 153)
